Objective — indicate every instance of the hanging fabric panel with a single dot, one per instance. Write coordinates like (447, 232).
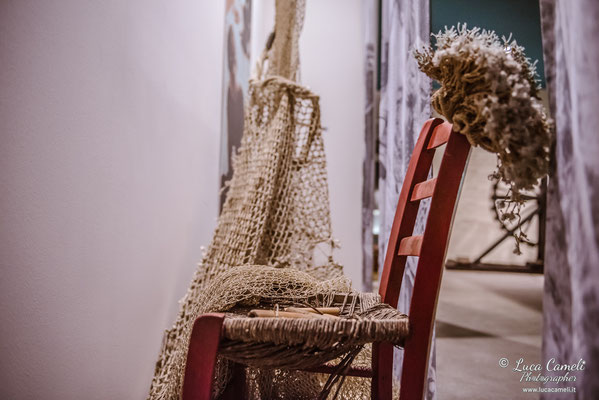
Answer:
(570, 302)
(404, 105)
(371, 24)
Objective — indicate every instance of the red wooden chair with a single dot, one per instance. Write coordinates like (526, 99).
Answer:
(429, 247)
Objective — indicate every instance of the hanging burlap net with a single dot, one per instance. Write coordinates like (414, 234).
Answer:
(275, 213)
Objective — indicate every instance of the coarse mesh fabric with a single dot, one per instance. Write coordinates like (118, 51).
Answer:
(275, 213)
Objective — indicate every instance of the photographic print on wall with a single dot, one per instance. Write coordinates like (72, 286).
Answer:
(235, 83)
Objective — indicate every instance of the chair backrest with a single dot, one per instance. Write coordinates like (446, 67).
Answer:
(429, 247)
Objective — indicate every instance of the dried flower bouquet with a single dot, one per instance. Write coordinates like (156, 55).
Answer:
(489, 92)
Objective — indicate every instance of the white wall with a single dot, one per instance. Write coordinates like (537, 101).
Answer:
(332, 65)
(110, 123)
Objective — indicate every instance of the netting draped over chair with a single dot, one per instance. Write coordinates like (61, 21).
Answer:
(276, 212)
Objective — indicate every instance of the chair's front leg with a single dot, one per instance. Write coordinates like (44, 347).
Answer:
(382, 371)
(201, 357)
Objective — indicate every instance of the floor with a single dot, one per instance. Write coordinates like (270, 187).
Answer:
(483, 317)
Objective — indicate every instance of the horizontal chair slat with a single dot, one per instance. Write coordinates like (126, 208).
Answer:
(423, 190)
(440, 136)
(410, 246)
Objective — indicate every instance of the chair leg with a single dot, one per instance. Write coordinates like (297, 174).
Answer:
(201, 357)
(382, 369)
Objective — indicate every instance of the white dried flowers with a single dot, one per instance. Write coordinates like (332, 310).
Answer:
(489, 92)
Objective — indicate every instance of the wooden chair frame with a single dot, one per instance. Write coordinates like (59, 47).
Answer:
(429, 247)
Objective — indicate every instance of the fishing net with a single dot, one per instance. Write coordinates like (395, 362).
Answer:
(275, 214)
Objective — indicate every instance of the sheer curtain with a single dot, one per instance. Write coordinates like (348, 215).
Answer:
(404, 107)
(571, 299)
(370, 12)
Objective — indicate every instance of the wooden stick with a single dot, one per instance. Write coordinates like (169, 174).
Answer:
(275, 314)
(285, 314)
(323, 310)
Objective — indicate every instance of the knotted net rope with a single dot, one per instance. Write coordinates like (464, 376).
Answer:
(275, 213)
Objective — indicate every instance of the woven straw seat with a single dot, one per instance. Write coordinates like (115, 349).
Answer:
(310, 342)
